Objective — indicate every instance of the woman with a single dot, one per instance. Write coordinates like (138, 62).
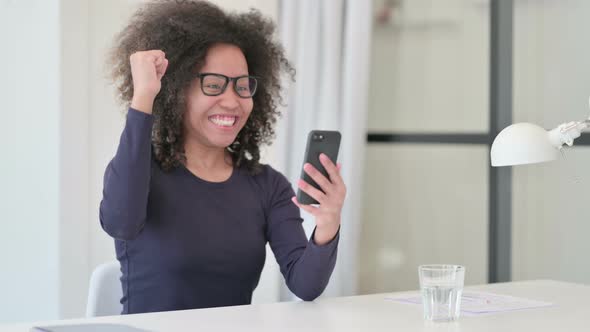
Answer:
(186, 199)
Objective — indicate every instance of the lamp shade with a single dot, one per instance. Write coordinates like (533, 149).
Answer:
(522, 143)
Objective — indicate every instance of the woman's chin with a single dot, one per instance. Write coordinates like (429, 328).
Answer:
(222, 143)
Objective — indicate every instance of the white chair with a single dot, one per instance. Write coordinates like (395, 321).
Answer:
(105, 292)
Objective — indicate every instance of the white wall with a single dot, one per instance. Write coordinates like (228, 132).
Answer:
(551, 86)
(29, 174)
(416, 213)
(433, 77)
(430, 67)
(74, 153)
(426, 203)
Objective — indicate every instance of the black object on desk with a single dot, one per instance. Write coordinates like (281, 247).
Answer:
(88, 328)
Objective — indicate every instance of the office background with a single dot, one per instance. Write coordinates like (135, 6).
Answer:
(423, 202)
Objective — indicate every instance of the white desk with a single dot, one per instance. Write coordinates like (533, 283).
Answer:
(570, 312)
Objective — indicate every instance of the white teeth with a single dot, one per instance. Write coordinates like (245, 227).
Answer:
(224, 121)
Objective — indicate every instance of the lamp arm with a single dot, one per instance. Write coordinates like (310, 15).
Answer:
(565, 133)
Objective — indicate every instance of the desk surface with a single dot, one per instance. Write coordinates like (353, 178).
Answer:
(570, 312)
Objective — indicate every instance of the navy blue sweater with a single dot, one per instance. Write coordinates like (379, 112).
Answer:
(185, 243)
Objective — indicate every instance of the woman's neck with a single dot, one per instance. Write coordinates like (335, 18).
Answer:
(210, 164)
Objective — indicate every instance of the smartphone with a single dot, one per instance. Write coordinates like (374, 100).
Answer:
(318, 141)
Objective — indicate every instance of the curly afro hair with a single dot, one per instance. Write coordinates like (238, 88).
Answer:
(185, 30)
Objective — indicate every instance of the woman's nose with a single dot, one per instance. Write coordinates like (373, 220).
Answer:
(229, 98)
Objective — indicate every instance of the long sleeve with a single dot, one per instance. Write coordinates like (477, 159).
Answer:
(306, 266)
(127, 179)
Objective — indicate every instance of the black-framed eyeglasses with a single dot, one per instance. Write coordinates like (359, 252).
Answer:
(215, 84)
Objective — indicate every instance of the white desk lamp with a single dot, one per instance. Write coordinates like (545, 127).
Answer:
(527, 143)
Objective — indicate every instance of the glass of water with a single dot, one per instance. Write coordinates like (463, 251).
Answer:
(441, 287)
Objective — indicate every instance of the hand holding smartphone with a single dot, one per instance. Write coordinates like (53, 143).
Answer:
(318, 141)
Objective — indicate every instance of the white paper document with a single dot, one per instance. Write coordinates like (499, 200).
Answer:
(481, 303)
